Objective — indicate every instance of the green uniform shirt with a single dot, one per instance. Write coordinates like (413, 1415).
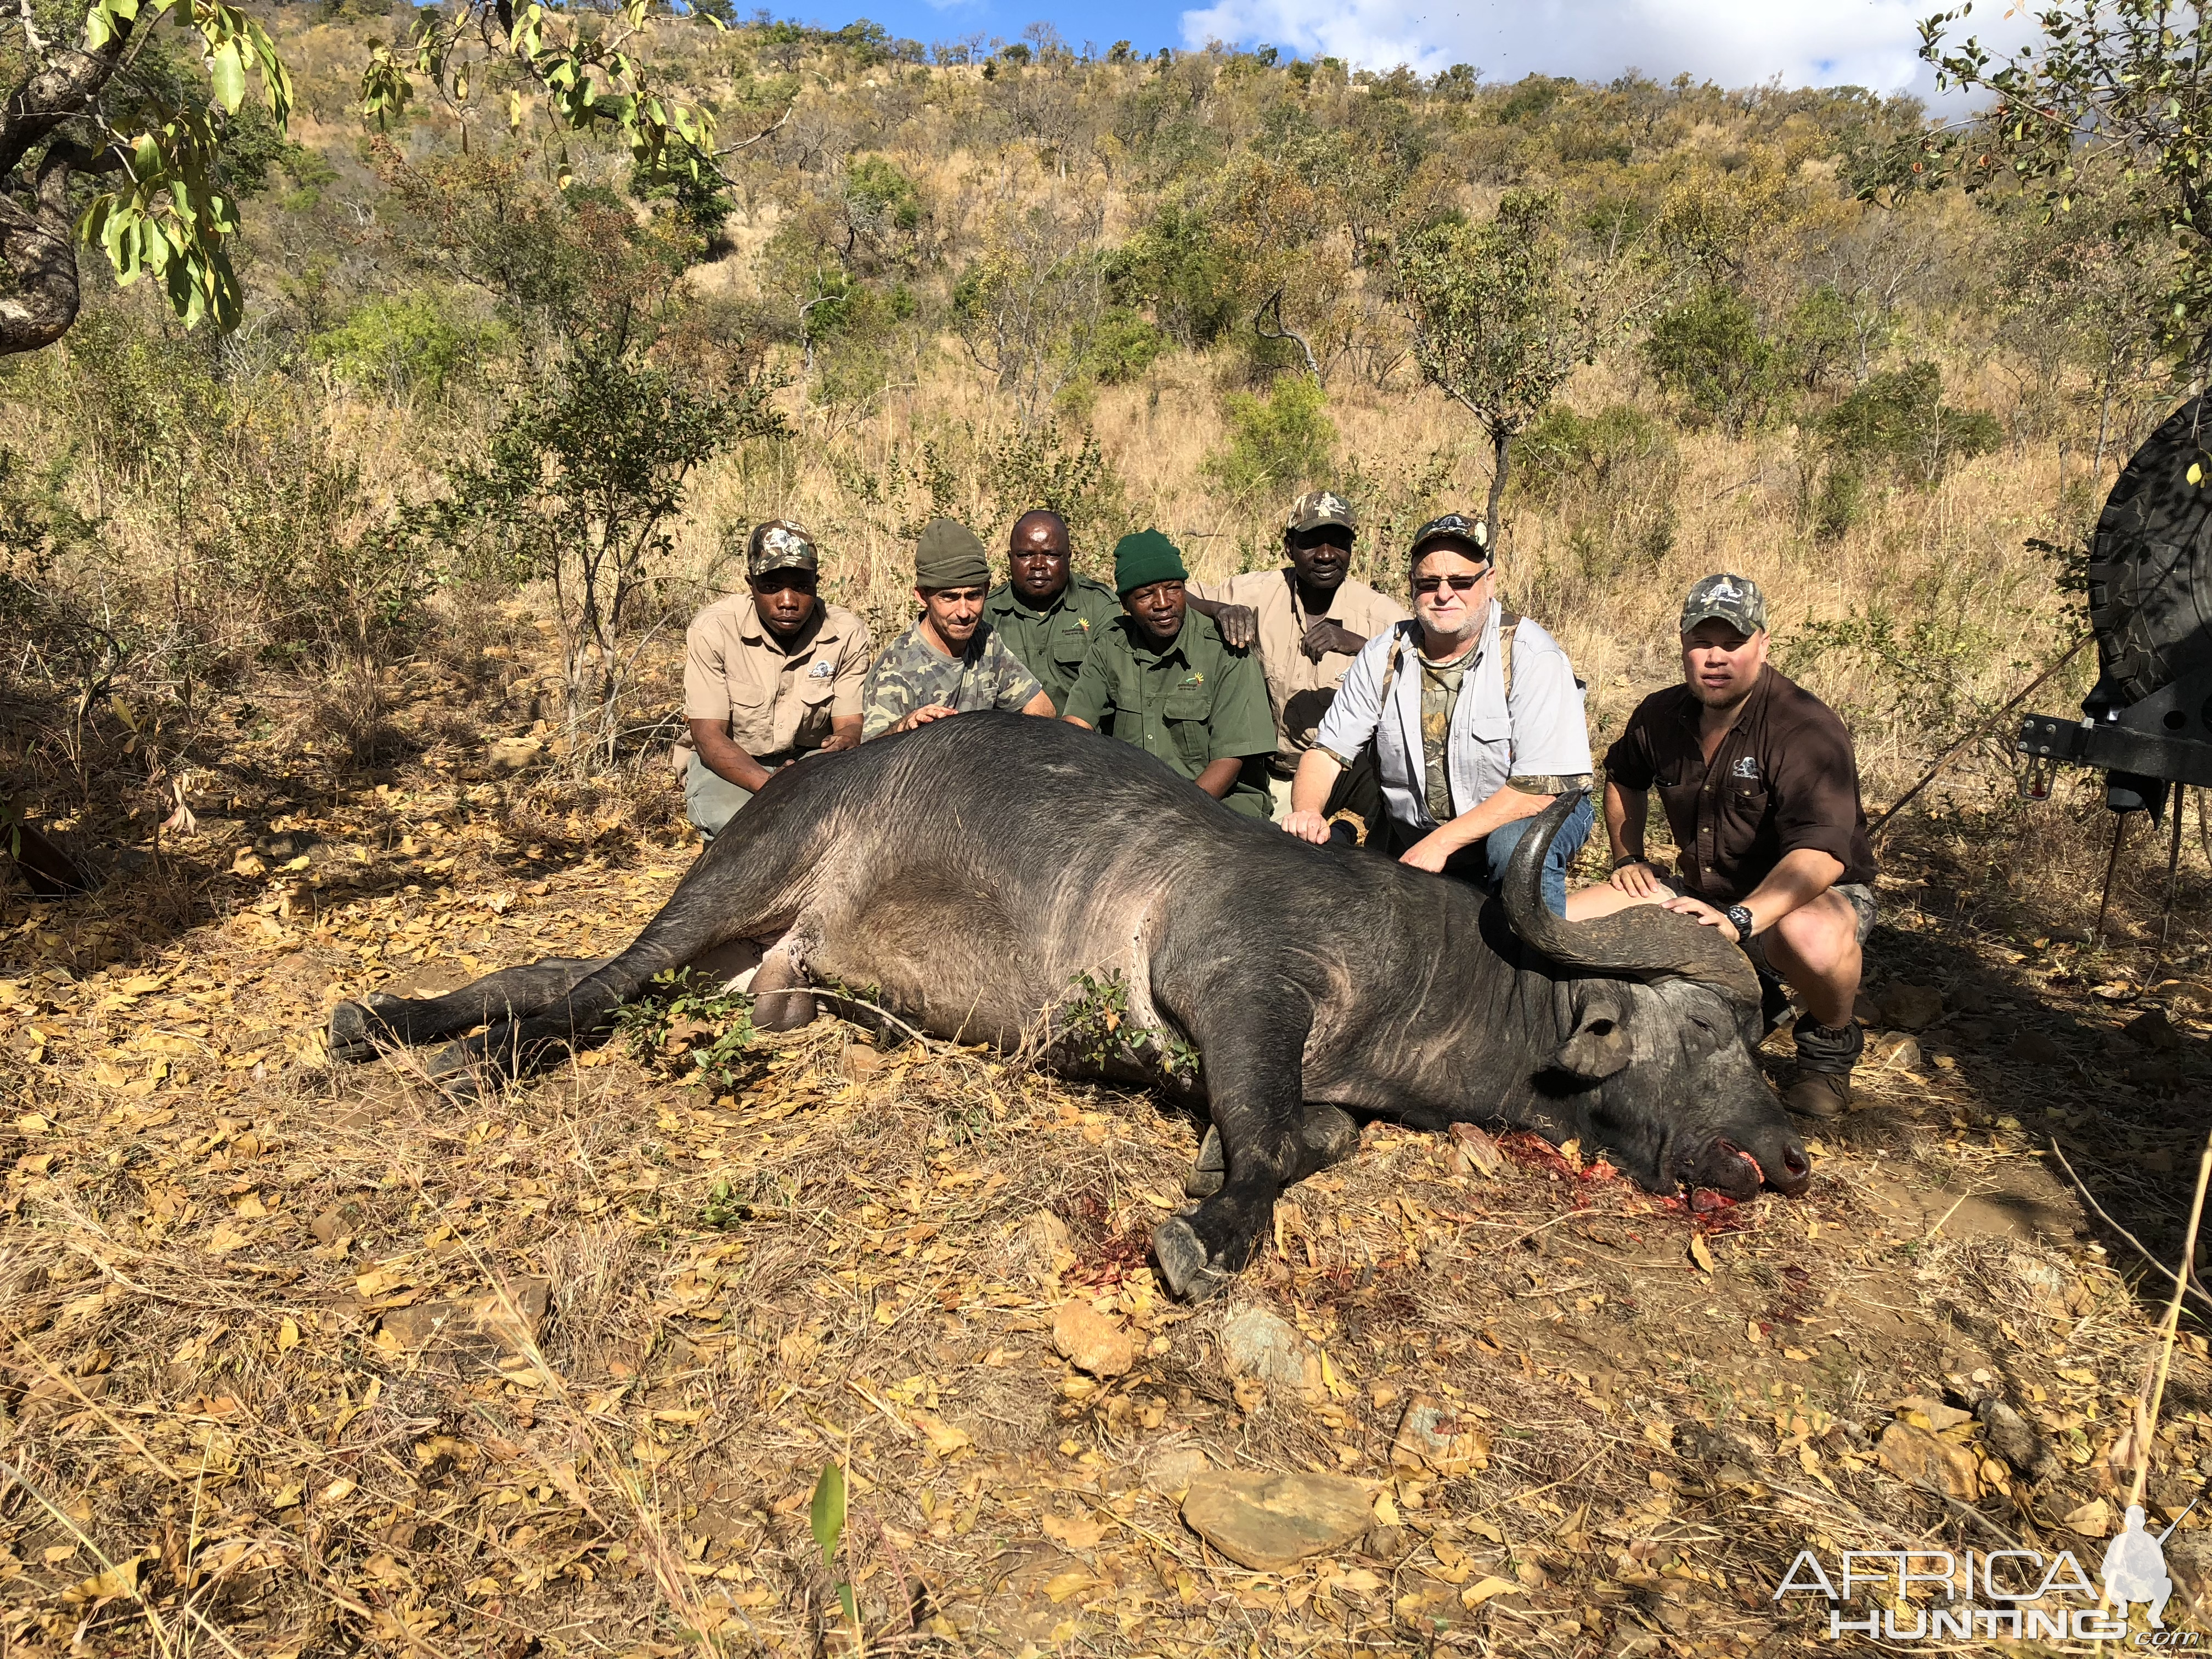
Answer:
(1053, 641)
(1195, 702)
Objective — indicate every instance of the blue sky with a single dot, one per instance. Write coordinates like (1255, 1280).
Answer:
(1735, 42)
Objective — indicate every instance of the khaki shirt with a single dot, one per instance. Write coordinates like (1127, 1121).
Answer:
(1053, 641)
(1190, 703)
(1300, 690)
(775, 703)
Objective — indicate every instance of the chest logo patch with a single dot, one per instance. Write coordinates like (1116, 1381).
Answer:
(821, 671)
(1746, 766)
(1190, 680)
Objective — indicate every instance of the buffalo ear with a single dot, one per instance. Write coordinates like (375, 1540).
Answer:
(1600, 1047)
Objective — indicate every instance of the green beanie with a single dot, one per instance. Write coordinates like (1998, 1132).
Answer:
(1145, 558)
(949, 555)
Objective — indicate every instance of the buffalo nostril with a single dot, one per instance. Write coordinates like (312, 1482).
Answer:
(1796, 1162)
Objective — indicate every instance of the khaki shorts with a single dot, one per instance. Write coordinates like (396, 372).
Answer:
(1857, 894)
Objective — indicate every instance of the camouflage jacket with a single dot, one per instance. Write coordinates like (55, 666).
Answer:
(911, 673)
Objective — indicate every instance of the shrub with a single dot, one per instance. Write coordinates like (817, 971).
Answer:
(1610, 478)
(1709, 353)
(1125, 346)
(401, 343)
(1275, 443)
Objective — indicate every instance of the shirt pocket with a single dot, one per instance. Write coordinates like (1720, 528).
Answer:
(816, 693)
(1070, 646)
(752, 718)
(1186, 709)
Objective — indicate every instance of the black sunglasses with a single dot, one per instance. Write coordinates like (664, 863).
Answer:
(1458, 584)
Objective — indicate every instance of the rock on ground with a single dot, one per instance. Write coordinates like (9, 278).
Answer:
(1918, 1457)
(1262, 1345)
(1268, 1522)
(1090, 1341)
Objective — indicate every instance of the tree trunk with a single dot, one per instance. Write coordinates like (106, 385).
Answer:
(1501, 444)
(38, 244)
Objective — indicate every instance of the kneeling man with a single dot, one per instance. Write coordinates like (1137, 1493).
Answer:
(1761, 792)
(1476, 723)
(951, 661)
(1160, 677)
(769, 675)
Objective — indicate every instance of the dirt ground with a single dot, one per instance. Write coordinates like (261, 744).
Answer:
(305, 1359)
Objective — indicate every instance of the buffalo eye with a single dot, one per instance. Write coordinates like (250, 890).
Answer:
(1600, 1028)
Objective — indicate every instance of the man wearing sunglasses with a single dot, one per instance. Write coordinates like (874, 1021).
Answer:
(1310, 619)
(1476, 719)
(770, 675)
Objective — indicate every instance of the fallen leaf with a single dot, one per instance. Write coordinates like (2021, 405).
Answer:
(1476, 1594)
(1078, 1532)
(1700, 1254)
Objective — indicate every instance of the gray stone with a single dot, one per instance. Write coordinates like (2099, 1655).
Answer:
(1171, 1469)
(1268, 1521)
(2012, 1438)
(1914, 1007)
(1261, 1344)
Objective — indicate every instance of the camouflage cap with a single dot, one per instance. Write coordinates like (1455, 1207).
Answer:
(778, 544)
(1317, 508)
(1726, 598)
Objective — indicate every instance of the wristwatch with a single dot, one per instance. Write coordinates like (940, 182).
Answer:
(1620, 865)
(1740, 919)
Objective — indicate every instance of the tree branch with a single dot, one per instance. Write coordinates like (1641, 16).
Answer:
(38, 245)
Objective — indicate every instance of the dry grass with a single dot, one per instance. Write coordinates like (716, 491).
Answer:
(225, 1267)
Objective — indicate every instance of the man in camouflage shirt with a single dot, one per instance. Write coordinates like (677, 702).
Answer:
(951, 661)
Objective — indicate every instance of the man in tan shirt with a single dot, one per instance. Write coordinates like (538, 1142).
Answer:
(770, 676)
(1310, 619)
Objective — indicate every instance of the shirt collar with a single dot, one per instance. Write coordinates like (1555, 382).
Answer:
(1028, 612)
(1140, 642)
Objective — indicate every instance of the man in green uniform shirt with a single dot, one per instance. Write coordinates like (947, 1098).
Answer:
(1048, 615)
(1160, 677)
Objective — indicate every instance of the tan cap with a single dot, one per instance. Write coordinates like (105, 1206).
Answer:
(1317, 508)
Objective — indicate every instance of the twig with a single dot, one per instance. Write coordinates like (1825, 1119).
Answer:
(2146, 1420)
(1976, 733)
(2194, 1287)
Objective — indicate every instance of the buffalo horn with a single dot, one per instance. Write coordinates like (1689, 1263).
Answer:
(1642, 942)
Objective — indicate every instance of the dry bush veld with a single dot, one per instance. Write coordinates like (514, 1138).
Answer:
(299, 1360)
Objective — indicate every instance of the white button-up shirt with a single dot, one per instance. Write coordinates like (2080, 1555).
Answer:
(1539, 732)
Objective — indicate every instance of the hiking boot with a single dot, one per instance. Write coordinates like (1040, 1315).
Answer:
(1826, 1056)
(1818, 1094)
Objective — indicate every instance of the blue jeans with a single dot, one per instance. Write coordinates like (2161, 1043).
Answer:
(1483, 865)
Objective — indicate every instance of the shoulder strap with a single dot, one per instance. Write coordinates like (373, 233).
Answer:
(1507, 622)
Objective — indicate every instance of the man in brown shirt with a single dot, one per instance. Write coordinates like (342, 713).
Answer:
(770, 675)
(1761, 792)
(1311, 619)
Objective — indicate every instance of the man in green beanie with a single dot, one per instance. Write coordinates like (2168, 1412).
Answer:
(951, 661)
(1160, 677)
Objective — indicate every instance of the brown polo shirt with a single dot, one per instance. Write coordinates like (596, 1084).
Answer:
(1783, 778)
(1300, 690)
(777, 702)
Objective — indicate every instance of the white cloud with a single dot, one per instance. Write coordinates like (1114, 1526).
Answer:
(1736, 43)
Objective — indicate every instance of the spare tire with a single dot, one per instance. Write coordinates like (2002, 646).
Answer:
(2150, 561)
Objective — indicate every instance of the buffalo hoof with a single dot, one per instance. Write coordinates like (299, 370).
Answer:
(456, 1071)
(1191, 1275)
(355, 1033)
(1210, 1172)
(1328, 1135)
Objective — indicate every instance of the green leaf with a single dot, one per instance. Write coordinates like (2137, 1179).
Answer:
(845, 1600)
(227, 73)
(827, 1515)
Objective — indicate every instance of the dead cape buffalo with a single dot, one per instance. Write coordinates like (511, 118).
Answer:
(971, 870)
